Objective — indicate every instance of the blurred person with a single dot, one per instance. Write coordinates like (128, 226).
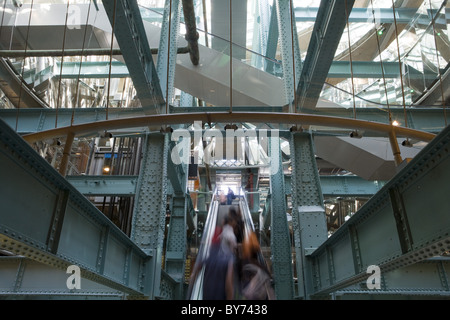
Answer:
(255, 279)
(230, 196)
(219, 282)
(237, 223)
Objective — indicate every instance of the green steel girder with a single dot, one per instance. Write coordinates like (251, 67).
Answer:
(338, 69)
(308, 214)
(328, 28)
(167, 51)
(180, 217)
(428, 278)
(279, 231)
(343, 186)
(21, 278)
(119, 186)
(363, 15)
(175, 255)
(290, 51)
(58, 226)
(129, 31)
(91, 69)
(150, 207)
(404, 223)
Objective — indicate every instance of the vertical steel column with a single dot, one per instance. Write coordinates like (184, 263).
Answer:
(285, 16)
(272, 41)
(167, 52)
(279, 230)
(175, 255)
(150, 207)
(308, 213)
(259, 37)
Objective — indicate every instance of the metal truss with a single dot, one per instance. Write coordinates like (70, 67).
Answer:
(404, 223)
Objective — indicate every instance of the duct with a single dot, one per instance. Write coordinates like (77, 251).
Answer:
(191, 30)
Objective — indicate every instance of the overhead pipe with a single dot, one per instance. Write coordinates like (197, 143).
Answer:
(191, 30)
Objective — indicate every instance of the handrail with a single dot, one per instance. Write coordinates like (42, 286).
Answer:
(195, 287)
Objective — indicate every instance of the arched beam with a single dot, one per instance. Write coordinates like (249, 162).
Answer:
(235, 117)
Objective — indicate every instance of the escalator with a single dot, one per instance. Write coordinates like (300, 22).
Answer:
(215, 217)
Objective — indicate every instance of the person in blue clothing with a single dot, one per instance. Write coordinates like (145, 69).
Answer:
(219, 276)
(230, 196)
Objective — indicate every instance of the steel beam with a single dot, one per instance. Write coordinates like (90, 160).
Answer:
(36, 120)
(404, 223)
(308, 213)
(235, 117)
(118, 186)
(338, 69)
(328, 28)
(363, 15)
(424, 279)
(150, 207)
(290, 51)
(22, 278)
(130, 34)
(279, 231)
(58, 226)
(343, 186)
(92, 70)
(167, 53)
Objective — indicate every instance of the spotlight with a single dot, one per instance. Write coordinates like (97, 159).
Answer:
(106, 169)
(166, 130)
(296, 129)
(406, 143)
(231, 126)
(381, 30)
(106, 134)
(395, 123)
(17, 3)
(355, 134)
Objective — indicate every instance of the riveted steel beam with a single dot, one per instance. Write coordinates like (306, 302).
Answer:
(343, 186)
(279, 232)
(119, 186)
(308, 213)
(129, 31)
(150, 207)
(290, 51)
(22, 278)
(167, 53)
(404, 223)
(57, 225)
(328, 28)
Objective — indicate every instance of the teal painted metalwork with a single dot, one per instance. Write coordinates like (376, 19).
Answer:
(343, 186)
(58, 226)
(175, 255)
(279, 231)
(167, 52)
(308, 214)
(328, 28)
(290, 52)
(120, 186)
(404, 223)
(130, 34)
(150, 206)
(24, 278)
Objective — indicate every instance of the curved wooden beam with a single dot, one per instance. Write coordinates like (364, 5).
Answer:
(235, 117)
